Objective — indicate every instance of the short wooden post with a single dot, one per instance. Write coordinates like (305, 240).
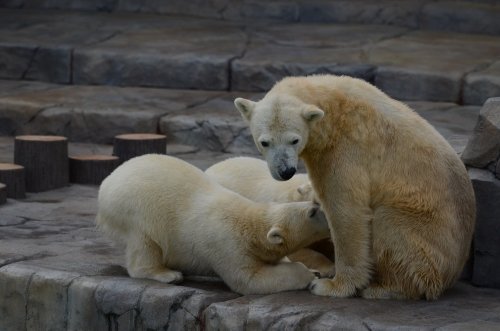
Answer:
(45, 161)
(12, 175)
(3, 193)
(127, 146)
(91, 169)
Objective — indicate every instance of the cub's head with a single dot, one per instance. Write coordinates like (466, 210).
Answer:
(296, 225)
(280, 129)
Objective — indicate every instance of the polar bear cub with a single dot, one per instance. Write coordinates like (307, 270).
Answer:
(174, 219)
(250, 177)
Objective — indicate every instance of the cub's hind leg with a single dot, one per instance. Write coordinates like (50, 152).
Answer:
(145, 260)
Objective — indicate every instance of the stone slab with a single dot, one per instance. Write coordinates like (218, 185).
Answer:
(482, 84)
(92, 113)
(486, 270)
(215, 125)
(461, 16)
(427, 65)
(315, 49)
(297, 311)
(194, 56)
(483, 148)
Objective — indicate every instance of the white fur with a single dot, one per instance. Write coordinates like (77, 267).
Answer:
(174, 219)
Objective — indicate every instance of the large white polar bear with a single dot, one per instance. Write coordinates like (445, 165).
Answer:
(398, 199)
(173, 219)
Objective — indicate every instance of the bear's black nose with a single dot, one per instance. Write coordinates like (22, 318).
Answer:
(288, 173)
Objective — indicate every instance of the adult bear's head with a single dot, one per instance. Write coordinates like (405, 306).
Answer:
(280, 129)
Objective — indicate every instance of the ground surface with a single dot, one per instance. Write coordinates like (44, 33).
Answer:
(57, 272)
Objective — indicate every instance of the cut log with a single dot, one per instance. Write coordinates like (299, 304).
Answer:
(127, 146)
(12, 175)
(91, 169)
(3, 193)
(45, 161)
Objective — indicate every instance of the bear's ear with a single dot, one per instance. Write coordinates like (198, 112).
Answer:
(245, 107)
(304, 189)
(275, 236)
(312, 211)
(312, 113)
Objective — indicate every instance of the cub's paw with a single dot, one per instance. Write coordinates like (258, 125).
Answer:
(168, 276)
(331, 287)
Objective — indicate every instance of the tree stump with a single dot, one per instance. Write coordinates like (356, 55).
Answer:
(12, 175)
(91, 169)
(127, 146)
(45, 161)
(3, 193)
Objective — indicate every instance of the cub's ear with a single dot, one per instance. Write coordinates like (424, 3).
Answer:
(275, 236)
(304, 189)
(245, 107)
(312, 211)
(312, 113)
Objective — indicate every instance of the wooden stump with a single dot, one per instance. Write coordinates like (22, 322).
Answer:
(127, 146)
(45, 161)
(12, 175)
(3, 193)
(91, 169)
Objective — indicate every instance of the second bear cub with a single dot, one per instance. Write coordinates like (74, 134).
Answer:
(174, 219)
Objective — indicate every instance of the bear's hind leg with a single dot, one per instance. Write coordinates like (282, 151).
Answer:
(144, 260)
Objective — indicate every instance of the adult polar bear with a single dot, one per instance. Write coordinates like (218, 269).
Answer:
(398, 199)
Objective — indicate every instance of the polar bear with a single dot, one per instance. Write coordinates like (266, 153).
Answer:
(398, 199)
(174, 219)
(250, 177)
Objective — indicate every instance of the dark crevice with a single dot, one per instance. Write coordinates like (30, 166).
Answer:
(236, 57)
(30, 63)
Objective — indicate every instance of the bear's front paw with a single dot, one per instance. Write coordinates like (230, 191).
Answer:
(331, 287)
(169, 276)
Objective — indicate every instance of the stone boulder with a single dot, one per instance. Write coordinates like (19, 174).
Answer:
(483, 149)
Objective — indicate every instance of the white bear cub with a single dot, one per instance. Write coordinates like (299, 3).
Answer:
(250, 177)
(174, 219)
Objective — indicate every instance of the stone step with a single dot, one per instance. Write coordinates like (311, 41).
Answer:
(151, 50)
(205, 120)
(473, 16)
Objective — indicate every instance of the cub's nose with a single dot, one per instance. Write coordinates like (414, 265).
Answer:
(288, 173)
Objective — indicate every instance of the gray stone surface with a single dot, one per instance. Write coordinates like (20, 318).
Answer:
(486, 270)
(461, 16)
(249, 52)
(464, 16)
(315, 49)
(189, 56)
(483, 147)
(426, 65)
(215, 125)
(292, 311)
(483, 84)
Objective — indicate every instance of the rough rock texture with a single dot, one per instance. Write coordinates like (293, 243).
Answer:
(155, 50)
(464, 16)
(486, 270)
(427, 65)
(483, 149)
(482, 84)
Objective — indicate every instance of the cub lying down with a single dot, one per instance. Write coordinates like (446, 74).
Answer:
(173, 219)
(251, 178)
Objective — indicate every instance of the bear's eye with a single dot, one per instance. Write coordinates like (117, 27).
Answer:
(295, 141)
(264, 143)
